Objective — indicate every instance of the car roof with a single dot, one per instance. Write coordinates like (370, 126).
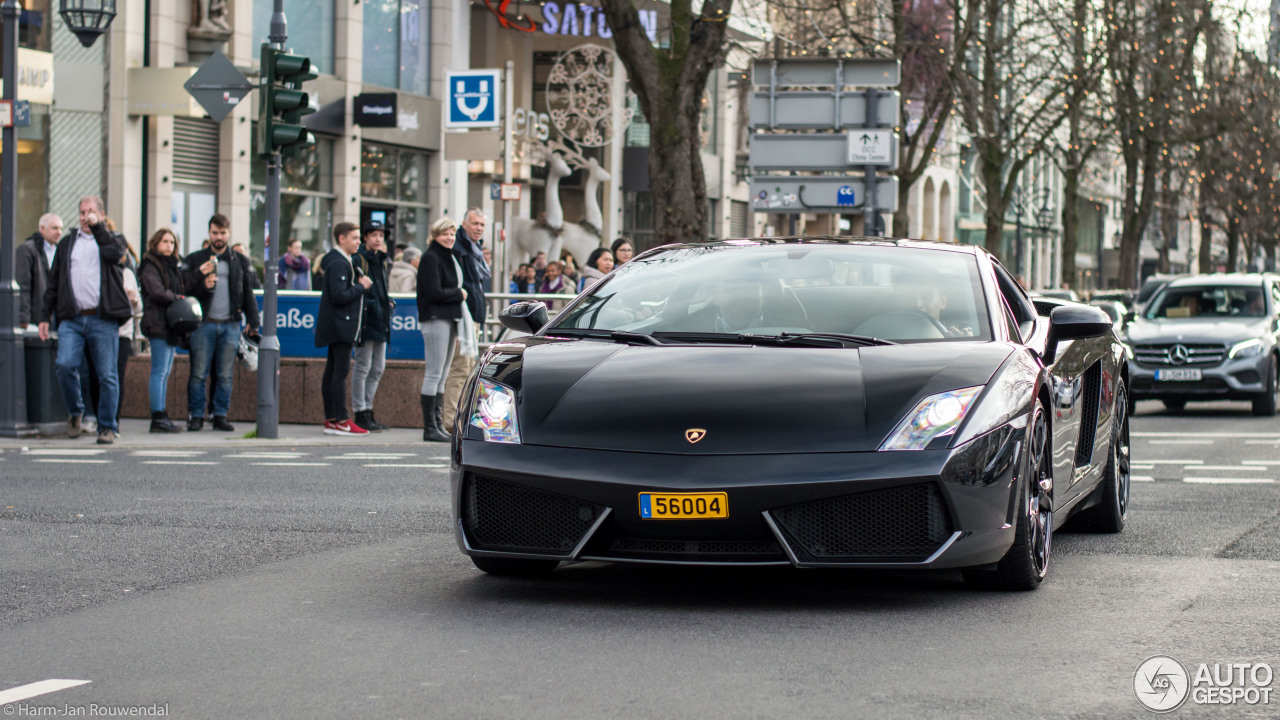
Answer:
(834, 240)
(1240, 279)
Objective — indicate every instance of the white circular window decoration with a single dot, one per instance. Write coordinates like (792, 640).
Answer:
(580, 96)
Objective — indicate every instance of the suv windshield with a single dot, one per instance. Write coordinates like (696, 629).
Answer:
(1199, 301)
(875, 291)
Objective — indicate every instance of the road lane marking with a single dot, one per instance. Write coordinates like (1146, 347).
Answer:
(1142, 478)
(291, 464)
(69, 461)
(24, 692)
(1255, 468)
(178, 462)
(167, 453)
(1227, 481)
(268, 455)
(1158, 461)
(71, 453)
(1261, 462)
(1141, 466)
(364, 457)
(378, 456)
(407, 465)
(1273, 436)
(1179, 442)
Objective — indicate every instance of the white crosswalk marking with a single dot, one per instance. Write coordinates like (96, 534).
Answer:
(1142, 478)
(178, 462)
(365, 457)
(268, 455)
(64, 453)
(168, 453)
(72, 461)
(24, 692)
(1228, 481)
(407, 465)
(290, 464)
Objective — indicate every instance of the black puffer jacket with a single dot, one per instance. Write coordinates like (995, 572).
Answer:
(438, 293)
(161, 280)
(377, 303)
(341, 301)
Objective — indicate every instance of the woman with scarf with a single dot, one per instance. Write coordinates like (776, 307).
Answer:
(443, 319)
(161, 284)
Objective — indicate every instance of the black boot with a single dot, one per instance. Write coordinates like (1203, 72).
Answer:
(160, 423)
(377, 426)
(430, 430)
(439, 412)
(362, 420)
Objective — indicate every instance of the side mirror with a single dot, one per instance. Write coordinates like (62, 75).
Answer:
(526, 316)
(1073, 322)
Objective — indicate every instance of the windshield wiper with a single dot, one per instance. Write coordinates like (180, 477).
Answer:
(843, 337)
(614, 335)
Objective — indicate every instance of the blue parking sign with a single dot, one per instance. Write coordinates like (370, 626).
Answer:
(474, 98)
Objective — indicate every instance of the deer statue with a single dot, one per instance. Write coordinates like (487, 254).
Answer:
(529, 236)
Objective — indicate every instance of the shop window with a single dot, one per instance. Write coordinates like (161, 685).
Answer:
(34, 25)
(397, 44)
(395, 178)
(310, 26)
(306, 198)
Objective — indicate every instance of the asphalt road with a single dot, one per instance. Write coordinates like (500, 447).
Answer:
(318, 582)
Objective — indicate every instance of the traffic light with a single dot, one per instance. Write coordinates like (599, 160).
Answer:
(283, 103)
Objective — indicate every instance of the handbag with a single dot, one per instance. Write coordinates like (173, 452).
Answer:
(247, 353)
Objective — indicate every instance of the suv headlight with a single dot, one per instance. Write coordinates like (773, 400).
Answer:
(495, 412)
(1249, 348)
(933, 417)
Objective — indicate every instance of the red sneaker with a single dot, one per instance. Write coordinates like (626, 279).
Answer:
(330, 427)
(346, 427)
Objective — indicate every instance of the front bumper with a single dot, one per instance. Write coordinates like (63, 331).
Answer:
(1239, 379)
(922, 509)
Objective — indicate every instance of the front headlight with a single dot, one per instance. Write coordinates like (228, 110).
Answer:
(933, 417)
(1247, 349)
(495, 412)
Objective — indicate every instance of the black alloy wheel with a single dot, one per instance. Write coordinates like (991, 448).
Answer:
(1265, 404)
(1027, 562)
(519, 567)
(1108, 515)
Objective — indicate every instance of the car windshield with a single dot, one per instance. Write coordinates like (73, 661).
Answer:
(1200, 301)
(892, 293)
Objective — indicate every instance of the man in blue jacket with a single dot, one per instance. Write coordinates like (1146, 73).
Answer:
(476, 275)
(338, 325)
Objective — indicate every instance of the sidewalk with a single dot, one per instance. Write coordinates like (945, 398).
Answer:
(135, 433)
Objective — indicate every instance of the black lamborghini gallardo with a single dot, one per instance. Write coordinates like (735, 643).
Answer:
(814, 402)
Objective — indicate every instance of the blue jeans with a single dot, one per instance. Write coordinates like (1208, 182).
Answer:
(213, 343)
(101, 340)
(161, 363)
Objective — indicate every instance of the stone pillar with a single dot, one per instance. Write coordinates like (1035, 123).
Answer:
(124, 151)
(348, 66)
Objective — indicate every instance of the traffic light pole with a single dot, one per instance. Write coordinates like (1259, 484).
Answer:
(269, 349)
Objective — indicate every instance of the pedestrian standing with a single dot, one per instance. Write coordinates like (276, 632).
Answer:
(85, 294)
(222, 280)
(441, 310)
(32, 269)
(476, 276)
(161, 281)
(128, 329)
(338, 325)
(404, 272)
(375, 330)
(294, 268)
(599, 264)
(622, 250)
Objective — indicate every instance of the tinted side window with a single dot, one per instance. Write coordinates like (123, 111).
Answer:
(1024, 313)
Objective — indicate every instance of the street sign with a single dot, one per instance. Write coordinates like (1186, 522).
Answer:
(218, 86)
(822, 151)
(21, 113)
(790, 194)
(816, 110)
(6, 113)
(510, 191)
(827, 72)
(474, 99)
(872, 147)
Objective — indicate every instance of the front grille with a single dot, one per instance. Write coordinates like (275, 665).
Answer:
(1089, 402)
(687, 550)
(905, 524)
(1198, 354)
(499, 515)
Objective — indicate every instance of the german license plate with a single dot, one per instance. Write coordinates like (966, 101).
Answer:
(683, 506)
(1178, 374)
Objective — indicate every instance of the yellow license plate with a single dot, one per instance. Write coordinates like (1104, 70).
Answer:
(683, 506)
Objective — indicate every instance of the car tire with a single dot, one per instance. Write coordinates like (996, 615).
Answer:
(1024, 566)
(1108, 515)
(1175, 405)
(518, 567)
(1265, 404)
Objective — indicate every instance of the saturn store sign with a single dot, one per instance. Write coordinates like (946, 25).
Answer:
(569, 19)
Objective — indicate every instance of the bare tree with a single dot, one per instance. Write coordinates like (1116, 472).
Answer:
(669, 83)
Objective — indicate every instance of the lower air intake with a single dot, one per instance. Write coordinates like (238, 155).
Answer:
(905, 524)
(504, 516)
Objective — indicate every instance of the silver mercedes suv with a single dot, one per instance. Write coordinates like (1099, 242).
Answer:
(1208, 337)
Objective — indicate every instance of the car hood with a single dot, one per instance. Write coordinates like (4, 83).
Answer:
(1191, 330)
(747, 399)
